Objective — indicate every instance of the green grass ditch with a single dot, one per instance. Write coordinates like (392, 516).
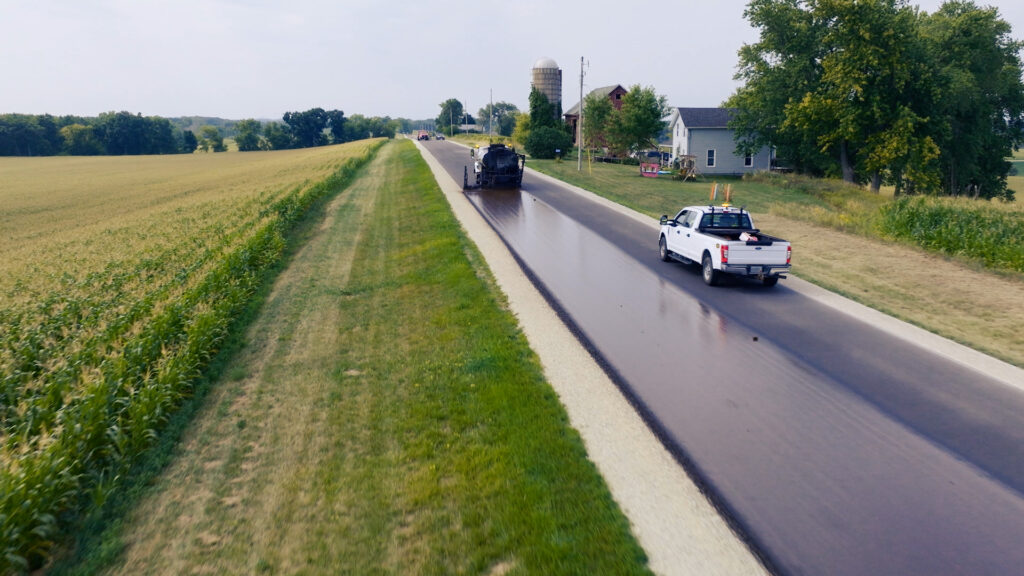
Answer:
(84, 432)
(450, 452)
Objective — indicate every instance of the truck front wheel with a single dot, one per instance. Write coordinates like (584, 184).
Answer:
(663, 250)
(708, 270)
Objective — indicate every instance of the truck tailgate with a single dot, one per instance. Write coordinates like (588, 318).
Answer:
(741, 254)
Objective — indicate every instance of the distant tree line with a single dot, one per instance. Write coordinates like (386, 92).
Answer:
(114, 133)
(314, 127)
(877, 92)
(124, 133)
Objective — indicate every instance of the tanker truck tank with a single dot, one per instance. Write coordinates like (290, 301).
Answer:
(495, 166)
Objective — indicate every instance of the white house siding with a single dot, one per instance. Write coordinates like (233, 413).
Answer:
(726, 161)
(697, 140)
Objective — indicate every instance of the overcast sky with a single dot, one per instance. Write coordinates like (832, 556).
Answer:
(400, 58)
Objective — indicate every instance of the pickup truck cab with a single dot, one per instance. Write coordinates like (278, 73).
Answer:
(724, 241)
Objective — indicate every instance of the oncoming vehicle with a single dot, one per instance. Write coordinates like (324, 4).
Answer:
(423, 135)
(723, 240)
(495, 166)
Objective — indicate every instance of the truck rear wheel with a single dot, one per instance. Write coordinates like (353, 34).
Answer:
(770, 281)
(708, 271)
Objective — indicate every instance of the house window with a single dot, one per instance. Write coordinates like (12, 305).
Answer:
(711, 158)
(748, 160)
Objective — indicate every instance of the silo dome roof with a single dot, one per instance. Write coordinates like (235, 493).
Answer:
(546, 63)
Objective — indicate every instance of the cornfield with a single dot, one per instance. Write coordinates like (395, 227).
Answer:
(119, 277)
(990, 233)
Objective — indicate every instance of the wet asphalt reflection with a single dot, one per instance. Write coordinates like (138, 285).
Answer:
(821, 481)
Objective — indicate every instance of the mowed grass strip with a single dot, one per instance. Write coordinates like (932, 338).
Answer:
(834, 247)
(386, 417)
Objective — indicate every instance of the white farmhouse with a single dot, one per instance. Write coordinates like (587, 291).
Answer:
(704, 134)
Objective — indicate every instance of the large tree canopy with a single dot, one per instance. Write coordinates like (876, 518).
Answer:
(875, 91)
(597, 112)
(307, 127)
(635, 126)
(248, 137)
(450, 117)
(546, 136)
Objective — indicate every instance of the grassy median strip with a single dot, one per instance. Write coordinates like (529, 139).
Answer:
(386, 416)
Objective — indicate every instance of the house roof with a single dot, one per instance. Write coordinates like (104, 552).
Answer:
(604, 91)
(705, 117)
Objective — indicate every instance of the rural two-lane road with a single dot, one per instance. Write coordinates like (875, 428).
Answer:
(835, 447)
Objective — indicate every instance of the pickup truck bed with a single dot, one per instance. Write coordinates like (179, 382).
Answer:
(724, 241)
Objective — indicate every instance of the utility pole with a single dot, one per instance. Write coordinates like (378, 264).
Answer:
(579, 125)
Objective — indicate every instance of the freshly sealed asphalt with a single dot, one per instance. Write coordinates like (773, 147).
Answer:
(833, 446)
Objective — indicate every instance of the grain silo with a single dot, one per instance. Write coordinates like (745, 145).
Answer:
(547, 78)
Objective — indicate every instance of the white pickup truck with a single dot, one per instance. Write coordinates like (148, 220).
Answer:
(723, 239)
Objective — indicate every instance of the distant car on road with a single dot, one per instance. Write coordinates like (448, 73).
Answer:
(439, 137)
(423, 135)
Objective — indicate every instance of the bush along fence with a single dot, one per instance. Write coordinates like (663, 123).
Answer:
(959, 228)
(85, 422)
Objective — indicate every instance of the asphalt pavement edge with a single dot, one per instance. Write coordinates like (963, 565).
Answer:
(673, 521)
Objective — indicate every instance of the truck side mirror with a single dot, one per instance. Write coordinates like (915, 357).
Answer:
(664, 219)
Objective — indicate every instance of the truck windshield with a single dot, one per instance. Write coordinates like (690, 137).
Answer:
(730, 220)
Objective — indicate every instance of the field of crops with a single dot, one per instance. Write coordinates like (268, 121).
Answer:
(119, 276)
(991, 232)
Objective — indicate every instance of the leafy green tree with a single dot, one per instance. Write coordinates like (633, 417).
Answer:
(210, 139)
(248, 135)
(542, 112)
(279, 136)
(160, 137)
(636, 126)
(307, 128)
(122, 133)
(80, 140)
(27, 135)
(978, 113)
(874, 91)
(597, 115)
(336, 126)
(522, 127)
(189, 142)
(862, 108)
(777, 70)
(452, 115)
(547, 142)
